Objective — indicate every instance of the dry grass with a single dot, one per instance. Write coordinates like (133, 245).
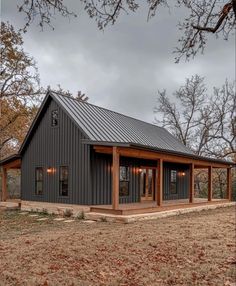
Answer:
(193, 249)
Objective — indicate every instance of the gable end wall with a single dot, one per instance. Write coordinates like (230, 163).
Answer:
(54, 147)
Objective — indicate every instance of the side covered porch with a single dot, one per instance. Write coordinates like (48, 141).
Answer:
(154, 194)
(10, 163)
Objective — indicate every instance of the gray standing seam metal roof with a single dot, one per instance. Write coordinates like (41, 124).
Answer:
(103, 125)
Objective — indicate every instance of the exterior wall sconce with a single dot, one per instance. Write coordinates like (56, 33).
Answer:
(51, 170)
(140, 170)
(182, 174)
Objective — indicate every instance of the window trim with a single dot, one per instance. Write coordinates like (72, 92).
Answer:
(125, 181)
(36, 181)
(60, 195)
(174, 182)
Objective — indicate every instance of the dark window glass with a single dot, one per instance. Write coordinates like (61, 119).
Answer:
(173, 182)
(39, 181)
(124, 181)
(64, 175)
(54, 118)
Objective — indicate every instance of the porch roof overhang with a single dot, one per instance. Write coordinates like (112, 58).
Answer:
(148, 152)
(11, 162)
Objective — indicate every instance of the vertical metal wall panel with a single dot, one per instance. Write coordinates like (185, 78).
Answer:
(182, 181)
(55, 147)
(101, 178)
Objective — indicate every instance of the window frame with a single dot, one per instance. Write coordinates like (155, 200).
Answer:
(124, 181)
(36, 181)
(173, 183)
(52, 119)
(60, 181)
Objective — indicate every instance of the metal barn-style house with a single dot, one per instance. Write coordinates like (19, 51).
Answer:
(81, 154)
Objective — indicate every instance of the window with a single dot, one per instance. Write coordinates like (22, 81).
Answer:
(64, 175)
(54, 118)
(173, 182)
(39, 181)
(124, 181)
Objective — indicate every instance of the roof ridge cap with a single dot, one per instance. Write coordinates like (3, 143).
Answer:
(119, 113)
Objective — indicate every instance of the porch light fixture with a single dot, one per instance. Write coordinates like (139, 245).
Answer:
(51, 170)
(182, 174)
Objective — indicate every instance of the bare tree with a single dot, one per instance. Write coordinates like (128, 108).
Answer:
(43, 11)
(222, 137)
(186, 117)
(204, 123)
(204, 17)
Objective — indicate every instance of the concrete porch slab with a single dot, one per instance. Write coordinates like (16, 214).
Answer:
(153, 215)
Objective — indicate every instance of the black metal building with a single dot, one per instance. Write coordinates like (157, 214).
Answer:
(59, 163)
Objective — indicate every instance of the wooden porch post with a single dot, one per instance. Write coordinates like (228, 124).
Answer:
(146, 185)
(229, 184)
(115, 177)
(191, 183)
(159, 189)
(4, 184)
(209, 183)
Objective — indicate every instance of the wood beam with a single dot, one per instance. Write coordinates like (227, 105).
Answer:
(191, 183)
(151, 155)
(229, 184)
(115, 177)
(159, 188)
(13, 165)
(209, 183)
(4, 184)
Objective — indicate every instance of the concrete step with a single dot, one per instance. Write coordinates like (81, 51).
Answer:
(10, 206)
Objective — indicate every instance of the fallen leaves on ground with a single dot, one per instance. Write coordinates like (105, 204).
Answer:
(193, 249)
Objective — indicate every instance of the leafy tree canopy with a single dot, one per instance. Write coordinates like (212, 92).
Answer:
(20, 90)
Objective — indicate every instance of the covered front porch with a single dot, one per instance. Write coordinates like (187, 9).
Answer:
(156, 199)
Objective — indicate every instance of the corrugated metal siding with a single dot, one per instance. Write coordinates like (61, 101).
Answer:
(54, 147)
(182, 181)
(104, 125)
(101, 177)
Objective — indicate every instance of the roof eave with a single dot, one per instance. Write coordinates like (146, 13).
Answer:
(34, 122)
(143, 147)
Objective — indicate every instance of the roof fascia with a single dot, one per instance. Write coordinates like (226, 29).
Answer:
(43, 104)
(10, 159)
(143, 147)
(105, 143)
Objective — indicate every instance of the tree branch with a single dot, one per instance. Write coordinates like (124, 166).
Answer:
(224, 13)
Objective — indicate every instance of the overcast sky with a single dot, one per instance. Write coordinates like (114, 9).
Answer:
(123, 67)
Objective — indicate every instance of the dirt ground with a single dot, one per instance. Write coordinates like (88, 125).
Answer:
(193, 249)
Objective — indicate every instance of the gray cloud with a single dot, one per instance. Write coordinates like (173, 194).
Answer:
(123, 67)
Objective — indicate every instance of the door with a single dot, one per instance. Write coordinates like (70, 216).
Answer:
(147, 183)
